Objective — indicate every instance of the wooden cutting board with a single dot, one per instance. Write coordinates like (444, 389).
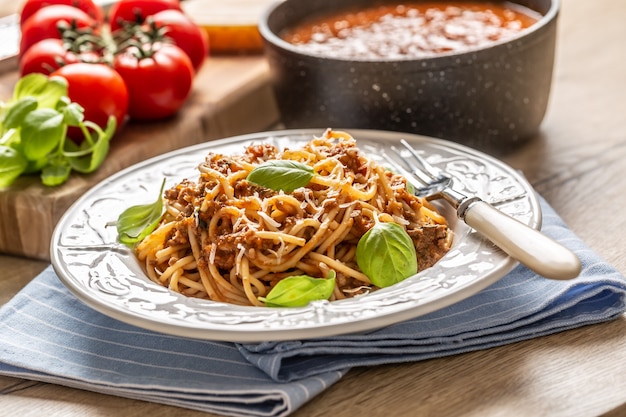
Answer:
(231, 96)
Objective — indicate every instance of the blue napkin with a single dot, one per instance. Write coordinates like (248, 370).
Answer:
(47, 334)
(520, 306)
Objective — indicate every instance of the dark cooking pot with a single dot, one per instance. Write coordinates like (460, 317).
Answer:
(494, 97)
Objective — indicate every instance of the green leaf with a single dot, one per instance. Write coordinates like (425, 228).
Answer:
(47, 90)
(300, 290)
(11, 138)
(36, 166)
(90, 159)
(30, 86)
(137, 222)
(16, 113)
(12, 164)
(73, 113)
(386, 254)
(42, 131)
(281, 174)
(87, 159)
(55, 173)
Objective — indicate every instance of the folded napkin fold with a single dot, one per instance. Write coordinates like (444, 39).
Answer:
(46, 334)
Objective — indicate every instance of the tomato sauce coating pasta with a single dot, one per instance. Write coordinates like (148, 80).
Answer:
(226, 239)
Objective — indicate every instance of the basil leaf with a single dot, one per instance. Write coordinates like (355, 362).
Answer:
(386, 254)
(11, 138)
(42, 131)
(300, 290)
(12, 164)
(73, 113)
(55, 173)
(281, 174)
(47, 90)
(16, 113)
(36, 166)
(137, 222)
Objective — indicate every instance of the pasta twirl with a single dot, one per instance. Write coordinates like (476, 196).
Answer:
(227, 239)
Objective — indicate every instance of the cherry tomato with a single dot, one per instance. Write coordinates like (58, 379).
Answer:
(46, 56)
(137, 10)
(87, 6)
(43, 24)
(99, 89)
(159, 83)
(185, 34)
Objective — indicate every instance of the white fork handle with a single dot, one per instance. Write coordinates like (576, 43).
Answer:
(523, 243)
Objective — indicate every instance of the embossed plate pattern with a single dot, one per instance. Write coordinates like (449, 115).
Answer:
(106, 275)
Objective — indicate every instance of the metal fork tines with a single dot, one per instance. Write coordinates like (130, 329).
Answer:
(429, 182)
(523, 243)
(425, 173)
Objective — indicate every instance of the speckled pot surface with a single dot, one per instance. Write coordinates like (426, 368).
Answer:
(491, 98)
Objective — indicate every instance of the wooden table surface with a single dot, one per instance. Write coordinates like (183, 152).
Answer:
(577, 164)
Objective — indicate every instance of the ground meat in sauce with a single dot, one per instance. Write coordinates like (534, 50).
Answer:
(260, 152)
(244, 188)
(227, 248)
(430, 244)
(361, 224)
(184, 194)
(349, 157)
(178, 237)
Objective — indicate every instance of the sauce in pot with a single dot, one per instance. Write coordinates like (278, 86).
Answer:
(411, 30)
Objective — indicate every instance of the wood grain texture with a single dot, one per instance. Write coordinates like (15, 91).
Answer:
(576, 164)
(231, 96)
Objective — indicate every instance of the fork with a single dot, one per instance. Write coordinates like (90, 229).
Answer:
(537, 251)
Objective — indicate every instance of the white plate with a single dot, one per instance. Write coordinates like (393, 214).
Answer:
(106, 275)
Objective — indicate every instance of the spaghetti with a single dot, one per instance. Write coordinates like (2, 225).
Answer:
(226, 239)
